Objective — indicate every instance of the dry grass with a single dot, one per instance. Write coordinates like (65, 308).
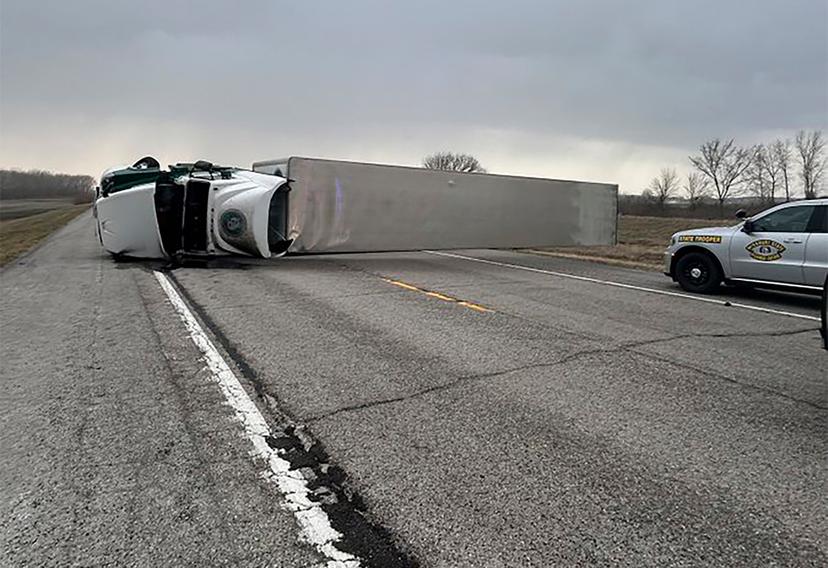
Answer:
(18, 208)
(641, 241)
(19, 235)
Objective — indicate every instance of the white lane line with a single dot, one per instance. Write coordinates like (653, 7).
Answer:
(625, 286)
(314, 525)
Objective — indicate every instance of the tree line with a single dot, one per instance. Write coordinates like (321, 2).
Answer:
(39, 184)
(768, 173)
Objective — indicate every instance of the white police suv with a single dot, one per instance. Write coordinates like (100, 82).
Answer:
(784, 246)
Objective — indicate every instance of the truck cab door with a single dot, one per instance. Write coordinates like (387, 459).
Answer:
(815, 269)
(774, 250)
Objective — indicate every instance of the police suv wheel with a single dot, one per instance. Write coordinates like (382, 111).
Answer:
(697, 272)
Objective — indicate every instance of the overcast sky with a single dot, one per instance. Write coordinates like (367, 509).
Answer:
(599, 90)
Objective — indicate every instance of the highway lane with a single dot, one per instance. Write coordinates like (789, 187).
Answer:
(570, 422)
(475, 413)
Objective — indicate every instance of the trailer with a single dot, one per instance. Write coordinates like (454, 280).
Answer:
(340, 206)
(306, 205)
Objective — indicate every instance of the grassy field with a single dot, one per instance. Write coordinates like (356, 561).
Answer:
(18, 208)
(641, 241)
(19, 235)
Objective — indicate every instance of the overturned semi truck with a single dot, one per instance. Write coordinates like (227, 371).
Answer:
(308, 205)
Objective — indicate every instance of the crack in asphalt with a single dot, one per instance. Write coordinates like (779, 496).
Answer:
(767, 390)
(625, 347)
(455, 382)
(749, 333)
(732, 380)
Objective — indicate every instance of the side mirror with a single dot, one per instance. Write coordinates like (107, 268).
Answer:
(741, 214)
(748, 227)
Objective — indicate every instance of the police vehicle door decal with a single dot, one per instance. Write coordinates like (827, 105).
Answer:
(765, 250)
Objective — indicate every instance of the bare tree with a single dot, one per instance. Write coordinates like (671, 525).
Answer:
(811, 147)
(780, 153)
(756, 182)
(664, 186)
(724, 164)
(763, 175)
(696, 188)
(772, 170)
(453, 162)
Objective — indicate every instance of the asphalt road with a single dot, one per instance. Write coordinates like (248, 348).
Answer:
(483, 408)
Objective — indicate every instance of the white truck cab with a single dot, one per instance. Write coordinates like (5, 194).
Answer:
(192, 210)
(786, 246)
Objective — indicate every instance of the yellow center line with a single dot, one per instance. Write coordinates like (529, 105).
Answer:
(439, 296)
(402, 285)
(475, 307)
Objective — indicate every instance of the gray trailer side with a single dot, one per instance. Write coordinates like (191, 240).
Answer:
(337, 206)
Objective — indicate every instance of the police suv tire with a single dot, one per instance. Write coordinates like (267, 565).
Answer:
(698, 272)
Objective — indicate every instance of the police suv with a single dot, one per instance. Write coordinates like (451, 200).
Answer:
(784, 246)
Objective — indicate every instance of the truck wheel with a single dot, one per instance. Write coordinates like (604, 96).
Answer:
(697, 272)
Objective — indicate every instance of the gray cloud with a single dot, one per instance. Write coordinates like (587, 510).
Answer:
(594, 89)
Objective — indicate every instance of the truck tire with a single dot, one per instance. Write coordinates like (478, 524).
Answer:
(698, 272)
